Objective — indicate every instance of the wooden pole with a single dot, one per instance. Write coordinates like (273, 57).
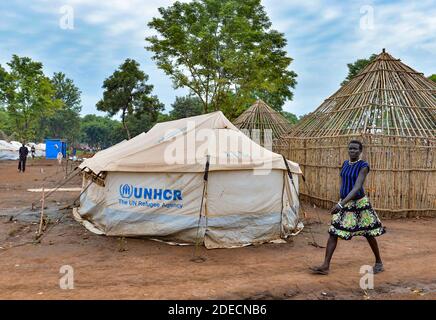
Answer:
(42, 213)
(66, 169)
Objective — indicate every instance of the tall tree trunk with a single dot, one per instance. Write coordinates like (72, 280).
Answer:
(123, 117)
(26, 130)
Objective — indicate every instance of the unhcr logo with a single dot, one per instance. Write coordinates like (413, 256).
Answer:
(126, 191)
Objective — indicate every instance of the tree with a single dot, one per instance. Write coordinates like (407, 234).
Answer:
(127, 91)
(141, 122)
(3, 81)
(292, 118)
(28, 95)
(5, 126)
(100, 132)
(224, 51)
(162, 117)
(432, 77)
(65, 123)
(67, 91)
(184, 107)
(357, 66)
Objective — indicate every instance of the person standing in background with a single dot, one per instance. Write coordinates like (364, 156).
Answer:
(32, 151)
(23, 152)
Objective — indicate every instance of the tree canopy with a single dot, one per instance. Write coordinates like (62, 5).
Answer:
(292, 118)
(184, 107)
(357, 66)
(5, 123)
(67, 91)
(225, 52)
(127, 91)
(100, 132)
(28, 95)
(65, 123)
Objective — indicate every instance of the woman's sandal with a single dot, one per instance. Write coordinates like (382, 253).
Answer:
(378, 267)
(318, 270)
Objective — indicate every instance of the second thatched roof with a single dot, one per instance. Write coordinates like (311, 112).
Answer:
(262, 117)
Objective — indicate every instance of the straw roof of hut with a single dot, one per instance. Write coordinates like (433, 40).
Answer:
(387, 97)
(262, 117)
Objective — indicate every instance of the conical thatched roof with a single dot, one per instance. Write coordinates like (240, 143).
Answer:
(387, 97)
(262, 117)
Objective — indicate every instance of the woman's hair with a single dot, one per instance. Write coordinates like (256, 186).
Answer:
(357, 142)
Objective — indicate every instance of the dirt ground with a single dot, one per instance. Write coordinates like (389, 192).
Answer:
(108, 268)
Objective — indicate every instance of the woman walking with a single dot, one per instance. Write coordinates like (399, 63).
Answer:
(353, 215)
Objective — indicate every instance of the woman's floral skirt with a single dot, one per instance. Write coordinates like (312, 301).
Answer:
(356, 218)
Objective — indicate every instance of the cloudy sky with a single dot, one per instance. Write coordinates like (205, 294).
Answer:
(323, 36)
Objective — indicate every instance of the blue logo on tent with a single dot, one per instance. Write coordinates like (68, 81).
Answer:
(126, 190)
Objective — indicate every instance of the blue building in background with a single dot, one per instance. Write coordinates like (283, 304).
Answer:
(53, 147)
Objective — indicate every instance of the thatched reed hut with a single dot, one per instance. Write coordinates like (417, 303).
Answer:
(262, 123)
(391, 108)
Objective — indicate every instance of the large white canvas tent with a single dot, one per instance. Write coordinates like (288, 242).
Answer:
(159, 184)
(8, 151)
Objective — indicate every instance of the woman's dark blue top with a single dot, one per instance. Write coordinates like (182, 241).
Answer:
(349, 174)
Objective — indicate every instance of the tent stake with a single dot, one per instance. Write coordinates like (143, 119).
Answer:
(42, 214)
